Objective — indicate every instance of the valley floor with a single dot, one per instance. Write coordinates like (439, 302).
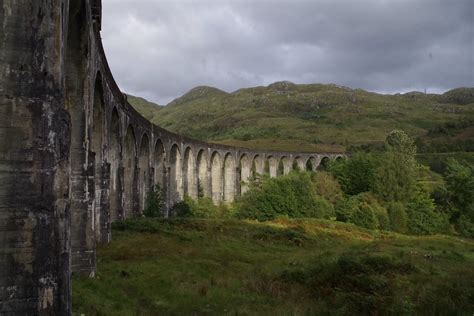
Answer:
(285, 267)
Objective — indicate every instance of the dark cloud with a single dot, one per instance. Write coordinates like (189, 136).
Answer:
(161, 49)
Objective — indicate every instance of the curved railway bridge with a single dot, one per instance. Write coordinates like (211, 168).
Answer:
(75, 156)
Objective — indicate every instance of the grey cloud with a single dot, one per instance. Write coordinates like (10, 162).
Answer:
(161, 49)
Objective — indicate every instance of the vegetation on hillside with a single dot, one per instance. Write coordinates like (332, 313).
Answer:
(316, 117)
(282, 267)
(385, 189)
(146, 108)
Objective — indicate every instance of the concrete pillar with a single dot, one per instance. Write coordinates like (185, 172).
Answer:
(216, 178)
(273, 164)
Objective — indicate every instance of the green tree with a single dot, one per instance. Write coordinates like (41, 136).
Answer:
(459, 199)
(363, 210)
(293, 195)
(357, 174)
(155, 203)
(423, 219)
(402, 144)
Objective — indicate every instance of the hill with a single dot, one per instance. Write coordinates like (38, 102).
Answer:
(146, 108)
(285, 267)
(309, 117)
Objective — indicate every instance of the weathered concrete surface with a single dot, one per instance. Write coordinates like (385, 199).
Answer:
(34, 153)
(75, 156)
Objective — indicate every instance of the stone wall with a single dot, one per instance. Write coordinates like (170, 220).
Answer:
(75, 156)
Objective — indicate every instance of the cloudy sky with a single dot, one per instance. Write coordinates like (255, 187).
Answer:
(161, 49)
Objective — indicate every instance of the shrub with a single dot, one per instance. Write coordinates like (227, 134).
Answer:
(363, 210)
(155, 203)
(293, 195)
(355, 175)
(398, 217)
(423, 219)
(327, 186)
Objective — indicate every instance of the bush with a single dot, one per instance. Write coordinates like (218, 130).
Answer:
(363, 210)
(398, 217)
(293, 195)
(355, 175)
(327, 186)
(423, 219)
(203, 207)
(155, 203)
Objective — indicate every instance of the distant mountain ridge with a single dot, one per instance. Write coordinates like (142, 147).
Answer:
(307, 117)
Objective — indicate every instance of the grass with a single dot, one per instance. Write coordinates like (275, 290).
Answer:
(311, 117)
(284, 267)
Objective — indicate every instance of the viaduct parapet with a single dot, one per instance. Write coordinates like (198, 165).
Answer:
(75, 156)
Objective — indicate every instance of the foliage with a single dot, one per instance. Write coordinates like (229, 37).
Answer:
(293, 195)
(423, 218)
(327, 186)
(395, 177)
(357, 174)
(203, 207)
(284, 267)
(398, 217)
(155, 203)
(363, 210)
(288, 118)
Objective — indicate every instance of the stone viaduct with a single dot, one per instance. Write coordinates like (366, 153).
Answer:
(75, 156)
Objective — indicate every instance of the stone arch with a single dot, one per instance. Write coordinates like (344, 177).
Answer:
(159, 165)
(203, 177)
(216, 178)
(299, 164)
(311, 164)
(143, 172)
(190, 180)
(287, 165)
(176, 176)
(114, 161)
(323, 164)
(97, 159)
(129, 161)
(272, 166)
(245, 173)
(82, 215)
(229, 178)
(258, 165)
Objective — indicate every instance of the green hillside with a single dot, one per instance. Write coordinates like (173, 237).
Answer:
(146, 108)
(309, 117)
(284, 267)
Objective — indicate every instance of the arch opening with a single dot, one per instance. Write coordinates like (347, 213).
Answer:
(324, 164)
(311, 164)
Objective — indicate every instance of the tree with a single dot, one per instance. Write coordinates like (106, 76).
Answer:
(356, 175)
(399, 142)
(155, 203)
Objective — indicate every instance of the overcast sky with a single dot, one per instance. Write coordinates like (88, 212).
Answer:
(161, 49)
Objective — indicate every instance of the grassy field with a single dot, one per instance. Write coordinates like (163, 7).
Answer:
(310, 117)
(285, 267)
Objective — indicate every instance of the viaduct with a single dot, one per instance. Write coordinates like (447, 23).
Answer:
(75, 156)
